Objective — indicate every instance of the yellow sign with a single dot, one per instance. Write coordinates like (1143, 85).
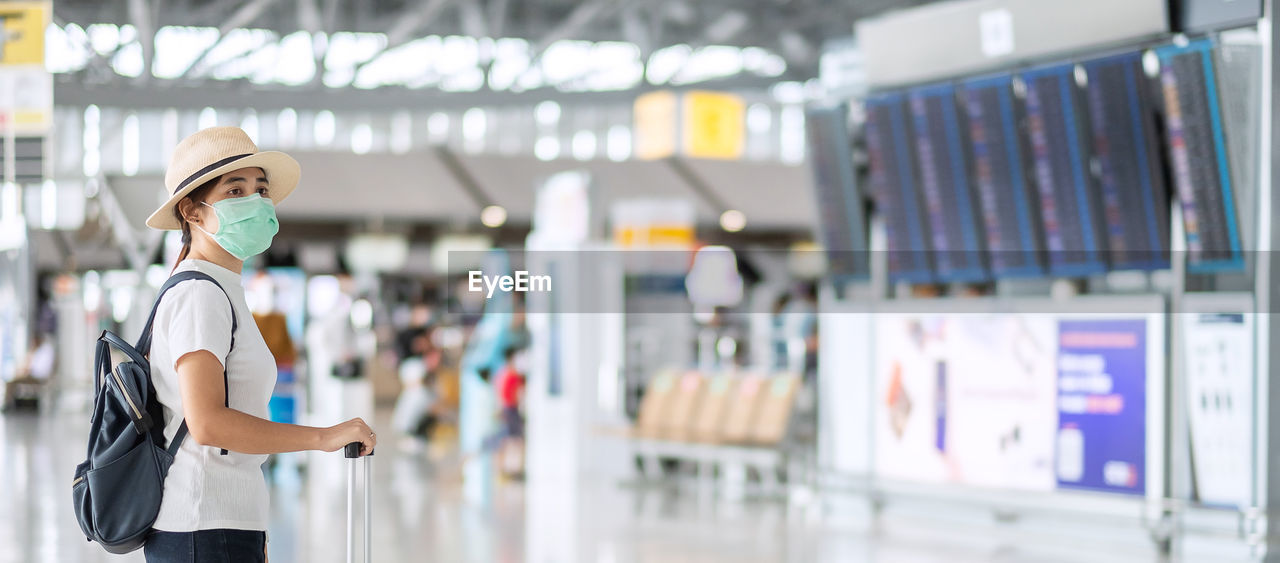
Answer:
(655, 125)
(693, 124)
(22, 26)
(714, 125)
(659, 235)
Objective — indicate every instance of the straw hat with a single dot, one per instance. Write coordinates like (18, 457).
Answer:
(212, 152)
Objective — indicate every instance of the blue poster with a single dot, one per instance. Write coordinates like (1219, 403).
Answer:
(1102, 414)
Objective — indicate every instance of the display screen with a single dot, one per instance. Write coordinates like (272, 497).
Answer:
(1130, 178)
(1008, 202)
(944, 183)
(893, 185)
(1068, 206)
(1193, 131)
(839, 203)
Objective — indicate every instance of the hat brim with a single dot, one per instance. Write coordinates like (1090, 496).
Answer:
(283, 173)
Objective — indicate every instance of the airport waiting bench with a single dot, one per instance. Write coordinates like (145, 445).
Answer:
(721, 425)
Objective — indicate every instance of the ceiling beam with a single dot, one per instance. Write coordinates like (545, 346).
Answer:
(211, 12)
(498, 10)
(581, 16)
(309, 18)
(697, 184)
(72, 90)
(330, 15)
(312, 20)
(408, 25)
(144, 23)
(463, 176)
(473, 20)
(636, 30)
(406, 28)
(241, 18)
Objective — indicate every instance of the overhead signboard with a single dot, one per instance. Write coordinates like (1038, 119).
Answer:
(1129, 172)
(26, 90)
(1009, 203)
(956, 239)
(695, 124)
(26, 100)
(656, 121)
(841, 223)
(22, 26)
(1200, 168)
(1203, 15)
(893, 185)
(1071, 213)
(967, 36)
(714, 125)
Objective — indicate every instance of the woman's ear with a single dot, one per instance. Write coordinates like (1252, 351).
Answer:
(187, 209)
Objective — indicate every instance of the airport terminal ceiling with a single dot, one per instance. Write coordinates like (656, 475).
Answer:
(787, 38)
(651, 24)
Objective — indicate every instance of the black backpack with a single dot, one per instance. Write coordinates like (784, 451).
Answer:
(117, 490)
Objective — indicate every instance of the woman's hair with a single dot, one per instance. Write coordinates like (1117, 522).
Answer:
(197, 195)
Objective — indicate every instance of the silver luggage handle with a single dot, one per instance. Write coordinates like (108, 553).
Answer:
(352, 452)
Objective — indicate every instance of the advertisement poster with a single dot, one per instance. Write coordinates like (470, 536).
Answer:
(1102, 372)
(1219, 371)
(966, 399)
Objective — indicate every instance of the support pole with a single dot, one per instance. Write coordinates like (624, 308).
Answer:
(1267, 294)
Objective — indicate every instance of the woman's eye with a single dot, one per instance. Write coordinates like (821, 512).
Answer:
(262, 191)
(234, 192)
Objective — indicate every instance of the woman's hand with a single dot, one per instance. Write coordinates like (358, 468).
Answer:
(354, 430)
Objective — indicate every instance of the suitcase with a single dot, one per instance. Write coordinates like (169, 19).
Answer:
(352, 453)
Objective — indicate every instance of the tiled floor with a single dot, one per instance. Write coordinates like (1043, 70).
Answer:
(420, 515)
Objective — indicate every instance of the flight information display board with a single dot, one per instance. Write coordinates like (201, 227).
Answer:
(956, 242)
(1009, 219)
(1068, 207)
(893, 185)
(1130, 177)
(1198, 153)
(842, 228)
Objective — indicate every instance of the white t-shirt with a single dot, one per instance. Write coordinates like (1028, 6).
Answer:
(206, 490)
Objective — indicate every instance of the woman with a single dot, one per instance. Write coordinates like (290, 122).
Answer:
(223, 193)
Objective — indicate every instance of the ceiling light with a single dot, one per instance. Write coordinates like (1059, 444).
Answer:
(733, 221)
(493, 216)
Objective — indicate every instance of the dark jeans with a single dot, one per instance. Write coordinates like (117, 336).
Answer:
(513, 421)
(512, 427)
(206, 546)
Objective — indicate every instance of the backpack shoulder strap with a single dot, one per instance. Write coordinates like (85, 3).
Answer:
(144, 342)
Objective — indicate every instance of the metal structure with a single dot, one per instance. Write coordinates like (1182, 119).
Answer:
(786, 38)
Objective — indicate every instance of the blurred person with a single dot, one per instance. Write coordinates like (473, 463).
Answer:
(802, 338)
(720, 342)
(274, 326)
(338, 354)
(477, 400)
(778, 332)
(36, 371)
(801, 330)
(415, 414)
(508, 442)
(223, 193)
(420, 317)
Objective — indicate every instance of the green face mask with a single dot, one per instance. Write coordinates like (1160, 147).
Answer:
(246, 225)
